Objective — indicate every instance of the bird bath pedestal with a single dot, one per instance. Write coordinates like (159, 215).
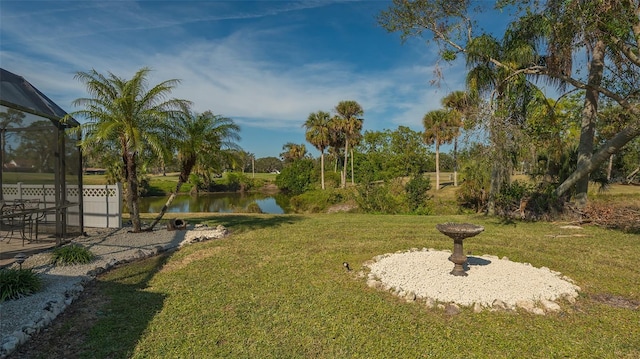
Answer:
(458, 232)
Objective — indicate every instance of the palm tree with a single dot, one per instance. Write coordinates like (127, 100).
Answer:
(293, 151)
(439, 128)
(350, 124)
(491, 76)
(130, 115)
(336, 141)
(460, 103)
(197, 137)
(318, 134)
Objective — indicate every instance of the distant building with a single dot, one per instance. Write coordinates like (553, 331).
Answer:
(94, 171)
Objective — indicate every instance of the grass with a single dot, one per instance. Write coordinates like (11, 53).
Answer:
(276, 288)
(162, 184)
(31, 178)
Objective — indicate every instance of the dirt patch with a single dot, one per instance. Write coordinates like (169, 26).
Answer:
(270, 188)
(342, 207)
(616, 301)
(65, 337)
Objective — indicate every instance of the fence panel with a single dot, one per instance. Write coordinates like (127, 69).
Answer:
(102, 205)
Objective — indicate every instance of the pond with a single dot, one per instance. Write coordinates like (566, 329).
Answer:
(217, 202)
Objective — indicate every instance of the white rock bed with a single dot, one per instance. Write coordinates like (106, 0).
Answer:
(492, 283)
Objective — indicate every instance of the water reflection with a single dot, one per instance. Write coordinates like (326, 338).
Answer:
(217, 202)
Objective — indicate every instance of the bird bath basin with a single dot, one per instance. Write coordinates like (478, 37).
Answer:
(458, 232)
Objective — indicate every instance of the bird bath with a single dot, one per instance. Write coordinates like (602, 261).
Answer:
(458, 232)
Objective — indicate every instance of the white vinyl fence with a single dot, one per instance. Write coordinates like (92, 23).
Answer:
(102, 203)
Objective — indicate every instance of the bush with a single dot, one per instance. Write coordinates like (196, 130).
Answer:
(17, 283)
(297, 177)
(240, 182)
(526, 201)
(382, 198)
(475, 186)
(71, 254)
(253, 207)
(196, 180)
(417, 196)
(508, 201)
(317, 201)
(331, 179)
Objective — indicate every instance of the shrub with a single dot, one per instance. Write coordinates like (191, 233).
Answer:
(233, 181)
(196, 180)
(71, 254)
(417, 196)
(475, 186)
(526, 201)
(509, 199)
(239, 182)
(16, 283)
(383, 198)
(253, 207)
(297, 177)
(317, 201)
(331, 179)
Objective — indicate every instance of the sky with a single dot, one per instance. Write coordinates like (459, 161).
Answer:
(265, 64)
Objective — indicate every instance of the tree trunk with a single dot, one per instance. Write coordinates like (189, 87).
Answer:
(132, 191)
(455, 162)
(185, 171)
(499, 169)
(437, 164)
(612, 146)
(352, 181)
(609, 168)
(322, 168)
(344, 165)
(589, 116)
(164, 208)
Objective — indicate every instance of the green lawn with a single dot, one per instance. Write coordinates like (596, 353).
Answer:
(276, 288)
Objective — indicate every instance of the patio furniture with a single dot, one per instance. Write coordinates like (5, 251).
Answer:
(14, 218)
(35, 213)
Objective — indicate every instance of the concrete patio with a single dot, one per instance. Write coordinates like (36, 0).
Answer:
(14, 246)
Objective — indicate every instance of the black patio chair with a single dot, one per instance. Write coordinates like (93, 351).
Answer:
(14, 219)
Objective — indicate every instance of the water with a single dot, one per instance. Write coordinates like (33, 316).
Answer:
(217, 202)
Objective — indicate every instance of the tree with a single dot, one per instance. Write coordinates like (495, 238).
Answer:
(318, 134)
(462, 105)
(552, 130)
(197, 136)
(349, 122)
(293, 152)
(610, 33)
(337, 141)
(9, 119)
(130, 115)
(390, 154)
(440, 127)
(606, 30)
(268, 164)
(297, 177)
(610, 121)
(38, 149)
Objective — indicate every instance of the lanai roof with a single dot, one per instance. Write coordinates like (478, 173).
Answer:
(19, 94)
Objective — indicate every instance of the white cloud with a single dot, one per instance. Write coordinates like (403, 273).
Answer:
(238, 75)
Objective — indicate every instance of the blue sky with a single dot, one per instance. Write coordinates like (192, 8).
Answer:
(265, 64)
